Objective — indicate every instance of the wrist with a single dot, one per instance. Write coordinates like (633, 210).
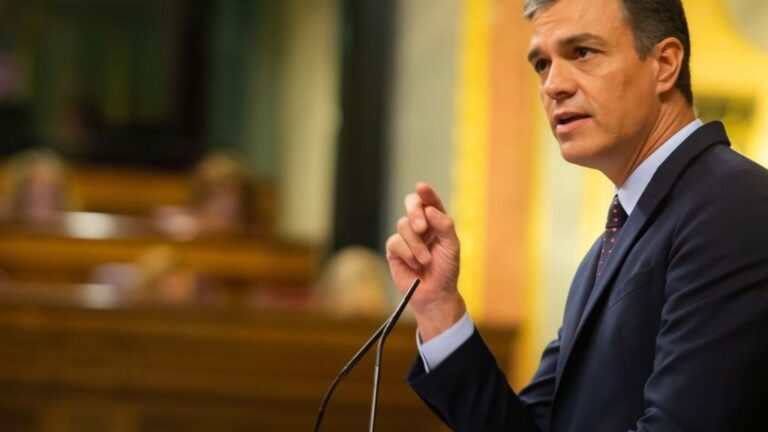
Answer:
(440, 315)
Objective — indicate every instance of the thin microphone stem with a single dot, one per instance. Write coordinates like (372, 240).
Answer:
(388, 326)
(344, 372)
(359, 355)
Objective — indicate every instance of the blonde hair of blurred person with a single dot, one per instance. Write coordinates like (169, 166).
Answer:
(37, 187)
(354, 283)
(165, 278)
(221, 195)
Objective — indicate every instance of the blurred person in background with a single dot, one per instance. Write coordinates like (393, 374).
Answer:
(37, 188)
(165, 278)
(221, 197)
(160, 275)
(220, 201)
(353, 283)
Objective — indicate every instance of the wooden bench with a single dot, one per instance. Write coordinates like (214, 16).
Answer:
(68, 250)
(139, 192)
(69, 364)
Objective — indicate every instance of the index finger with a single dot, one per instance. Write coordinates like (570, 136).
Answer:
(429, 198)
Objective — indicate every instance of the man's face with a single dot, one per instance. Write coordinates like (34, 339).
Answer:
(599, 96)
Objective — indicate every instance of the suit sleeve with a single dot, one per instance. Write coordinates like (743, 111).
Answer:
(469, 392)
(711, 362)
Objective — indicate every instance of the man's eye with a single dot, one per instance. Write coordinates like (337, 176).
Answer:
(540, 65)
(582, 52)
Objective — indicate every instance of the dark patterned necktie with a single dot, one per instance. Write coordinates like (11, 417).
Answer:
(616, 218)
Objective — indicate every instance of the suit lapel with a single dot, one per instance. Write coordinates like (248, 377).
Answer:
(658, 188)
(581, 287)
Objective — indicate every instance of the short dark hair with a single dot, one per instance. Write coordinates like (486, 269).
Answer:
(651, 21)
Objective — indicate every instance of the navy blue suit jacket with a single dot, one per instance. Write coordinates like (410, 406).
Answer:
(672, 336)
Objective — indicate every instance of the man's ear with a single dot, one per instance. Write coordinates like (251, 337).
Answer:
(669, 55)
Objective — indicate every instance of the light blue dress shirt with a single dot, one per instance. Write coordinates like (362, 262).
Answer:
(436, 350)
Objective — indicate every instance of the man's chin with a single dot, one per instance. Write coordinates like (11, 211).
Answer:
(576, 154)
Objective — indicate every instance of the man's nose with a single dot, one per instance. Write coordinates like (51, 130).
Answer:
(559, 84)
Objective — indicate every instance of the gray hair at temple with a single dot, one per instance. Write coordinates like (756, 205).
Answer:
(651, 21)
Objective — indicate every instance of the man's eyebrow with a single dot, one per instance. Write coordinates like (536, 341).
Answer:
(532, 54)
(569, 41)
(580, 39)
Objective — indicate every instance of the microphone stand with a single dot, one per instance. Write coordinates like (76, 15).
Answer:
(388, 326)
(382, 333)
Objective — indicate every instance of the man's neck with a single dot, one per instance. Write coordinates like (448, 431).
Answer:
(671, 118)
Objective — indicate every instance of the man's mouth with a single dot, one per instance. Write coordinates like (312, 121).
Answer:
(570, 118)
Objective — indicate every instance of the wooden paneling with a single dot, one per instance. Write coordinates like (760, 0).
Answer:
(129, 191)
(57, 253)
(65, 367)
(137, 192)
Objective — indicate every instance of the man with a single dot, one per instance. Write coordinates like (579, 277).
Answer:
(666, 323)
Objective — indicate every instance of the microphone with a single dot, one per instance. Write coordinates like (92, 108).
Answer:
(380, 335)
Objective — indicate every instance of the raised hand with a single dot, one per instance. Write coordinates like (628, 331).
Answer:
(426, 246)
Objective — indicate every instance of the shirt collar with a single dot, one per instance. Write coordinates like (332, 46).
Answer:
(629, 193)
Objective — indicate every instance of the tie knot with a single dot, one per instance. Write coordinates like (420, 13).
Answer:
(616, 214)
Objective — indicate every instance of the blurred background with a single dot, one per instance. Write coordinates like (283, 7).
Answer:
(195, 196)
